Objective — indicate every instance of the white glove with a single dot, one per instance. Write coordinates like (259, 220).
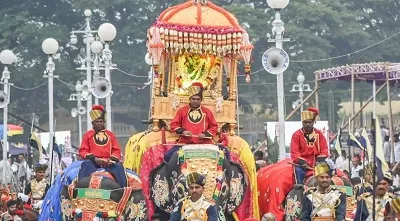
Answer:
(23, 197)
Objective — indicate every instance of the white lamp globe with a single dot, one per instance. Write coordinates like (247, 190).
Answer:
(90, 38)
(96, 47)
(78, 86)
(7, 57)
(107, 32)
(50, 46)
(148, 59)
(87, 13)
(300, 77)
(277, 4)
(73, 39)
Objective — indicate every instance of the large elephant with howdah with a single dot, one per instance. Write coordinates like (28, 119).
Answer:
(284, 201)
(234, 190)
(98, 195)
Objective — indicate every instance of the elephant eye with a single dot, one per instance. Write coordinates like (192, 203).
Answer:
(181, 190)
(224, 189)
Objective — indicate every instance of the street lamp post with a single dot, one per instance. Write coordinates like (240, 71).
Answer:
(107, 33)
(96, 47)
(300, 87)
(278, 31)
(50, 47)
(79, 110)
(7, 57)
(88, 39)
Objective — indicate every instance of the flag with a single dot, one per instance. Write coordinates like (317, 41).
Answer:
(338, 145)
(35, 142)
(365, 142)
(381, 164)
(352, 141)
(56, 149)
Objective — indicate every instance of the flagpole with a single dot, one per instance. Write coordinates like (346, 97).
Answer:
(374, 97)
(29, 146)
(29, 156)
(373, 121)
(349, 146)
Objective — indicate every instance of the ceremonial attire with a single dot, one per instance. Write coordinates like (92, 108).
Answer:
(330, 205)
(306, 148)
(103, 145)
(196, 120)
(37, 189)
(201, 210)
(364, 206)
(361, 188)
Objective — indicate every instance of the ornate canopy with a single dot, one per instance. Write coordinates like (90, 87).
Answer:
(198, 26)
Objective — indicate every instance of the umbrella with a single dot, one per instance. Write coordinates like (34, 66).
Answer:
(17, 149)
(12, 130)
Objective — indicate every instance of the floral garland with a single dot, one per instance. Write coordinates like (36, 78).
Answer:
(220, 177)
(111, 215)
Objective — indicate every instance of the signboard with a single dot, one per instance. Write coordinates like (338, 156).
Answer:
(199, 153)
(293, 126)
(93, 193)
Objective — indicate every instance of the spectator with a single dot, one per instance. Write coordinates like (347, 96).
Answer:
(259, 158)
(342, 162)
(396, 148)
(356, 166)
(386, 149)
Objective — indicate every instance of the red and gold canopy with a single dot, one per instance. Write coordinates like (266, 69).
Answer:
(198, 26)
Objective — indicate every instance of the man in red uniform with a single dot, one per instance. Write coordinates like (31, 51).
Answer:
(308, 145)
(194, 123)
(100, 148)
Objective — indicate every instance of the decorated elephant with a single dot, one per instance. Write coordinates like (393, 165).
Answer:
(96, 196)
(283, 199)
(225, 180)
(231, 184)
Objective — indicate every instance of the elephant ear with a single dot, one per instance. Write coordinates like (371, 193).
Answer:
(177, 182)
(293, 204)
(159, 188)
(237, 188)
(136, 207)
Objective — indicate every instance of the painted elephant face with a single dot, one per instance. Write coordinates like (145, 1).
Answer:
(126, 201)
(168, 185)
